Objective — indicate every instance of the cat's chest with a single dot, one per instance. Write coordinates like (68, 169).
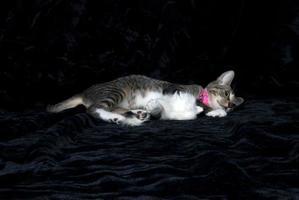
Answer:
(140, 99)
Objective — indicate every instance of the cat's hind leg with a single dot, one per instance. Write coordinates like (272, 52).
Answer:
(104, 113)
(119, 115)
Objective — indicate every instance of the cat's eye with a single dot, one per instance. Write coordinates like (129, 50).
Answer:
(226, 93)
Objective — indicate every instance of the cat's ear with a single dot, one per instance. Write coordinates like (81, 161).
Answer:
(237, 101)
(226, 78)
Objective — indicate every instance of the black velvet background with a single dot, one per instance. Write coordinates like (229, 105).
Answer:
(52, 49)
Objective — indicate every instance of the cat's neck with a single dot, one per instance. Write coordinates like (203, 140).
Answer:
(194, 89)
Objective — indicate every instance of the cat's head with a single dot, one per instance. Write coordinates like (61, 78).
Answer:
(220, 93)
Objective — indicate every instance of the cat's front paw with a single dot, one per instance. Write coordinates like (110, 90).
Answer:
(216, 113)
(154, 108)
(198, 109)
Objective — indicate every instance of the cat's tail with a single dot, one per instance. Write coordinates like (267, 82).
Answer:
(66, 104)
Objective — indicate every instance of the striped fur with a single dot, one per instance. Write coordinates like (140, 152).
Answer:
(123, 97)
(126, 99)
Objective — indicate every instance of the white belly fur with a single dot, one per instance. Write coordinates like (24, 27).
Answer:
(179, 106)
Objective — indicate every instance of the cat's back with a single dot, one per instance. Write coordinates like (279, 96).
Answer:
(126, 85)
(138, 78)
(133, 82)
(130, 80)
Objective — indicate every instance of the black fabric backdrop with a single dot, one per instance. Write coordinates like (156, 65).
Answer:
(52, 49)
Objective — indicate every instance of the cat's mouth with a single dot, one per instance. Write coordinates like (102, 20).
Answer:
(227, 106)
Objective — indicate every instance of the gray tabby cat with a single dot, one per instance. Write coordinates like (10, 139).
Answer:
(132, 100)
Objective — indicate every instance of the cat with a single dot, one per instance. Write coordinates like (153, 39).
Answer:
(134, 99)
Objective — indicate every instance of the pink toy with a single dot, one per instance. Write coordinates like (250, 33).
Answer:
(203, 97)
